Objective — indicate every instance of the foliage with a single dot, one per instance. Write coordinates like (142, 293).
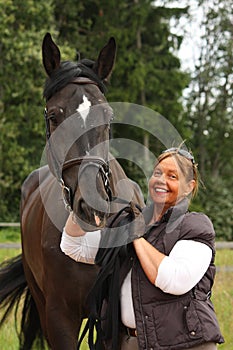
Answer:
(209, 114)
(10, 234)
(209, 104)
(142, 59)
(147, 72)
(217, 203)
(21, 81)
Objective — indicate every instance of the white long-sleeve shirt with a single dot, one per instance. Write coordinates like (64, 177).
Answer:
(177, 274)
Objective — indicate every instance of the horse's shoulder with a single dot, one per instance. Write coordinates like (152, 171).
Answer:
(34, 180)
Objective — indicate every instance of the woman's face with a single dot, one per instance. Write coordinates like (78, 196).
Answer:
(168, 184)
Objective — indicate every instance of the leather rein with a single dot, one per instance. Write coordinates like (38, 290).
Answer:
(86, 161)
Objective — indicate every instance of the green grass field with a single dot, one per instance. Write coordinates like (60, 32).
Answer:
(222, 299)
(223, 296)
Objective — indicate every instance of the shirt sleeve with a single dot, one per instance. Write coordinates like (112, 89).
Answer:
(81, 249)
(184, 267)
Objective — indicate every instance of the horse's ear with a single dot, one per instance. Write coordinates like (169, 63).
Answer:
(50, 54)
(105, 62)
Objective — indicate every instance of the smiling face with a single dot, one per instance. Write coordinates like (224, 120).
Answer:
(168, 185)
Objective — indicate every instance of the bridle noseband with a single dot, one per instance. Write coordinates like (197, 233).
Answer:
(85, 161)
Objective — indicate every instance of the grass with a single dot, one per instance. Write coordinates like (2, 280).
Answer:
(222, 296)
(9, 234)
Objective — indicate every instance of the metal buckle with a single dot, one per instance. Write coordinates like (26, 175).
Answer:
(67, 196)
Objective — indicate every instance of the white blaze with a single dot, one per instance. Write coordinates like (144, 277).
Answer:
(84, 109)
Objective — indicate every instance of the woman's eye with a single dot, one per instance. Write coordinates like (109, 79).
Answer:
(157, 173)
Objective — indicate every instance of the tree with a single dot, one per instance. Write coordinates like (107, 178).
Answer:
(209, 113)
(21, 79)
(146, 71)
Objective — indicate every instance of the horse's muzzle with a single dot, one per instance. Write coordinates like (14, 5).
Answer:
(89, 218)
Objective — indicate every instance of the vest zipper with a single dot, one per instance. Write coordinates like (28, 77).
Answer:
(141, 310)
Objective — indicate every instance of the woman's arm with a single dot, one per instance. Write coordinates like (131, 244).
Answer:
(180, 271)
(185, 266)
(79, 245)
(149, 257)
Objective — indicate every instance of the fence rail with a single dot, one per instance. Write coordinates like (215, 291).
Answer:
(9, 224)
(219, 245)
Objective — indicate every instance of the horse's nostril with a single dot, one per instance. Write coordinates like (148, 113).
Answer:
(82, 206)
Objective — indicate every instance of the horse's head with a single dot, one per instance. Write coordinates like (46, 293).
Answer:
(78, 121)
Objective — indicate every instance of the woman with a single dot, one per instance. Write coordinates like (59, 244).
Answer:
(165, 295)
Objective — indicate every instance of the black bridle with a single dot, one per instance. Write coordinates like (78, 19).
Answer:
(85, 161)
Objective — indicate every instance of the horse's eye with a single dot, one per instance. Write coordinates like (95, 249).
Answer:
(53, 119)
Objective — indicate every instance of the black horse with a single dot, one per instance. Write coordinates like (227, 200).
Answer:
(80, 173)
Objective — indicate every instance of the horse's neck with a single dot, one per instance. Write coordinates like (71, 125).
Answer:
(123, 187)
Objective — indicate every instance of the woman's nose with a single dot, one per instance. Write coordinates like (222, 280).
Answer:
(161, 178)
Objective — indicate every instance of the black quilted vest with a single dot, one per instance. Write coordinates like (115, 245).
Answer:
(170, 322)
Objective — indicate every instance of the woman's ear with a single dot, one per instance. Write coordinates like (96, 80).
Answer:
(191, 185)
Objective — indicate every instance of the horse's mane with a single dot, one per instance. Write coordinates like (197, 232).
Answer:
(66, 72)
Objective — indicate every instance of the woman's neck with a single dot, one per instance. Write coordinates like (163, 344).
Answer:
(158, 212)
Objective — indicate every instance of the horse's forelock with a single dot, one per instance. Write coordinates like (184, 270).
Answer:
(60, 78)
(67, 71)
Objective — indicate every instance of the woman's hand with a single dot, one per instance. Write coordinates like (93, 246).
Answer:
(72, 228)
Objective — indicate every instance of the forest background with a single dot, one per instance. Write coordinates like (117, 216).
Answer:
(147, 72)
